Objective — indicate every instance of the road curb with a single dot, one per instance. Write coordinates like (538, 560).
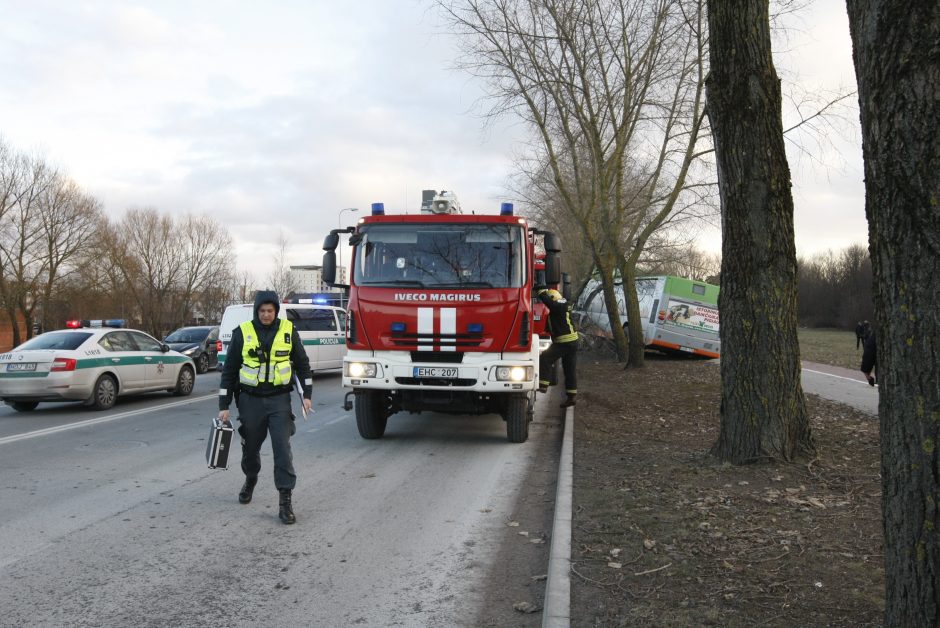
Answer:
(557, 609)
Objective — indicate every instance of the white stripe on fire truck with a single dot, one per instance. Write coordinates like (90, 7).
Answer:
(448, 326)
(425, 326)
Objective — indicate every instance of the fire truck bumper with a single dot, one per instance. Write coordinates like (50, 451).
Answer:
(477, 372)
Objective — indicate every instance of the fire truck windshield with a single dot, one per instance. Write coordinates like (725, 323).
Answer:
(469, 255)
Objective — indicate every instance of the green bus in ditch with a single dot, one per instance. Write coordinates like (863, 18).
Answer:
(678, 314)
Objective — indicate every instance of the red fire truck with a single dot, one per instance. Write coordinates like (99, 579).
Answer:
(440, 313)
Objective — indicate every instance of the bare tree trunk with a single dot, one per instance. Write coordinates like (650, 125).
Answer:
(897, 65)
(610, 303)
(763, 412)
(636, 347)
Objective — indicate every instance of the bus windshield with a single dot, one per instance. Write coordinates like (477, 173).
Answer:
(440, 256)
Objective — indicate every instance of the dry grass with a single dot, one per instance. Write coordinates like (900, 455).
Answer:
(830, 346)
(665, 536)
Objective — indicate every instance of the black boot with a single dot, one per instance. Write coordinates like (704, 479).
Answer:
(244, 495)
(567, 403)
(286, 512)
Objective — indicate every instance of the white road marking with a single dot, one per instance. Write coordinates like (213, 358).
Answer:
(327, 424)
(104, 419)
(849, 379)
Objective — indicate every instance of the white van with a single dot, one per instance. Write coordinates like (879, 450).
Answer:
(322, 329)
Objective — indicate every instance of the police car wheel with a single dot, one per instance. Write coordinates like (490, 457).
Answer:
(202, 364)
(105, 393)
(184, 382)
(24, 406)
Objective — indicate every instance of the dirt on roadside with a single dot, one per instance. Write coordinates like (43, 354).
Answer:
(664, 535)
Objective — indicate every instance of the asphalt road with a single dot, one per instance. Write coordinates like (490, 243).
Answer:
(113, 519)
(841, 385)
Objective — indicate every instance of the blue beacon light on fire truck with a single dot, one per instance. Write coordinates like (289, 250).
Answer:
(378, 209)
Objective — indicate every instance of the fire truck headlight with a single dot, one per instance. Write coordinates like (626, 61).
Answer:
(361, 369)
(519, 374)
(514, 373)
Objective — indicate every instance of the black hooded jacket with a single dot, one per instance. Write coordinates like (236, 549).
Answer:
(870, 354)
(233, 361)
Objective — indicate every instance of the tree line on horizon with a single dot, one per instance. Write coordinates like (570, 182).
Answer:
(62, 258)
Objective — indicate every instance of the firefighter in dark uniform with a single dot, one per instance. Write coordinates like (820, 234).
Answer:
(265, 355)
(564, 345)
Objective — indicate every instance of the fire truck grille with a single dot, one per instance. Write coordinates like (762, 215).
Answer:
(450, 357)
(459, 341)
(420, 381)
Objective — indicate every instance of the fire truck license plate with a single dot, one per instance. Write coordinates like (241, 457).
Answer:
(435, 371)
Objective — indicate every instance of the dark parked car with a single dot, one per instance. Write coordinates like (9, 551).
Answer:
(199, 343)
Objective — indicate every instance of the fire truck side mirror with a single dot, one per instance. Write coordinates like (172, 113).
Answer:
(552, 243)
(552, 268)
(331, 242)
(329, 265)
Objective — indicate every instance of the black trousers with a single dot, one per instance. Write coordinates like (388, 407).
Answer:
(260, 416)
(568, 352)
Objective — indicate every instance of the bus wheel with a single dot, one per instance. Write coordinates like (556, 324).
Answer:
(517, 418)
(371, 414)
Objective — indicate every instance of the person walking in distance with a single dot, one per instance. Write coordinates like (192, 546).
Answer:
(870, 356)
(564, 345)
(264, 356)
(861, 332)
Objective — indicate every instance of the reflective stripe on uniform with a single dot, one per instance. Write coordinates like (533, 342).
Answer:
(278, 370)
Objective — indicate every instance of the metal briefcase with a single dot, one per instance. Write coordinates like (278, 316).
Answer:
(220, 442)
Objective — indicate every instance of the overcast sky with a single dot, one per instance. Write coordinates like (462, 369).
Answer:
(272, 117)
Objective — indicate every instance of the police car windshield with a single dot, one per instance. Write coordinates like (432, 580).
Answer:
(63, 340)
(442, 256)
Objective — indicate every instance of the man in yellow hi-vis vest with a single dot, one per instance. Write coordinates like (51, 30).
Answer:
(564, 346)
(264, 356)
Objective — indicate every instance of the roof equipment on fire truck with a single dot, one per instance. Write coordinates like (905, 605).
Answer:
(443, 202)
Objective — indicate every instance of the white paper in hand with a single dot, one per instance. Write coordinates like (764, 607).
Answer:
(300, 393)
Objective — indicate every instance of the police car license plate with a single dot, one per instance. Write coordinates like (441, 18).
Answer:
(434, 371)
(21, 366)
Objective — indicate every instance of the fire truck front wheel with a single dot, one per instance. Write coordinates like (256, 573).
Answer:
(516, 413)
(371, 413)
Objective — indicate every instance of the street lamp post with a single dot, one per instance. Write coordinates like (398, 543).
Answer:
(339, 221)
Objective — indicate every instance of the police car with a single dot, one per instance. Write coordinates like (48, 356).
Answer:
(94, 362)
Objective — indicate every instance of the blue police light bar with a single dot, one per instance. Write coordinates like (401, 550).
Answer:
(378, 209)
(505, 209)
(95, 324)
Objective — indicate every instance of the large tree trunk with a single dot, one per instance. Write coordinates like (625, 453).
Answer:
(637, 348)
(897, 65)
(763, 413)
